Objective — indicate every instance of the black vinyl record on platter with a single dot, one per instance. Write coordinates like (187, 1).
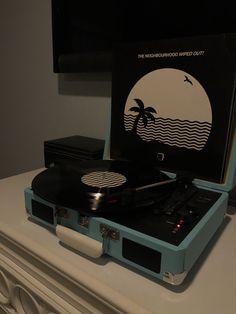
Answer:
(100, 186)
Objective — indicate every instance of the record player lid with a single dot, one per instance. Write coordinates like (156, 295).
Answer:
(173, 105)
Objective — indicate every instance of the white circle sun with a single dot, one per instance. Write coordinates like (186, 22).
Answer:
(173, 94)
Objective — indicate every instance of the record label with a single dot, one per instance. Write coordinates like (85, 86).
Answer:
(103, 179)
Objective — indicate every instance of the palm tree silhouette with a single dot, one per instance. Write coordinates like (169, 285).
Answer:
(143, 113)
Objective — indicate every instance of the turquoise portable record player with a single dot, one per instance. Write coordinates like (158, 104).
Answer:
(161, 192)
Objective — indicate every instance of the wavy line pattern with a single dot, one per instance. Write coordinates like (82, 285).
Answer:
(103, 179)
(173, 132)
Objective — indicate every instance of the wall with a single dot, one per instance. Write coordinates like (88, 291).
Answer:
(35, 103)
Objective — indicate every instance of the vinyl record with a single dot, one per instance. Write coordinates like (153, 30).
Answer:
(98, 186)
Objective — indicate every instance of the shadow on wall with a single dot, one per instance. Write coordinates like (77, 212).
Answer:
(85, 84)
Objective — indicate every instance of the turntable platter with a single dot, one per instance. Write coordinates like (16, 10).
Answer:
(96, 186)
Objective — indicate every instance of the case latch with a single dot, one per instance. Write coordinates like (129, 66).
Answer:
(108, 232)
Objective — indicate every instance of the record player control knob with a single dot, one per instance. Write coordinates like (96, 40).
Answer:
(179, 225)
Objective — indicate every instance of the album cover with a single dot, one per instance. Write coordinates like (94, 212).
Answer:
(172, 104)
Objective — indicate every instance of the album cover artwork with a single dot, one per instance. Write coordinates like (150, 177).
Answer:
(172, 104)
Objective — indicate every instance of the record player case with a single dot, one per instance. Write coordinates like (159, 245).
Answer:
(94, 235)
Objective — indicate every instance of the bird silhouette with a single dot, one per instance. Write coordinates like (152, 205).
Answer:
(188, 80)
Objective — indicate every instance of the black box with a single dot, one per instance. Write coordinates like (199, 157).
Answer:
(72, 148)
